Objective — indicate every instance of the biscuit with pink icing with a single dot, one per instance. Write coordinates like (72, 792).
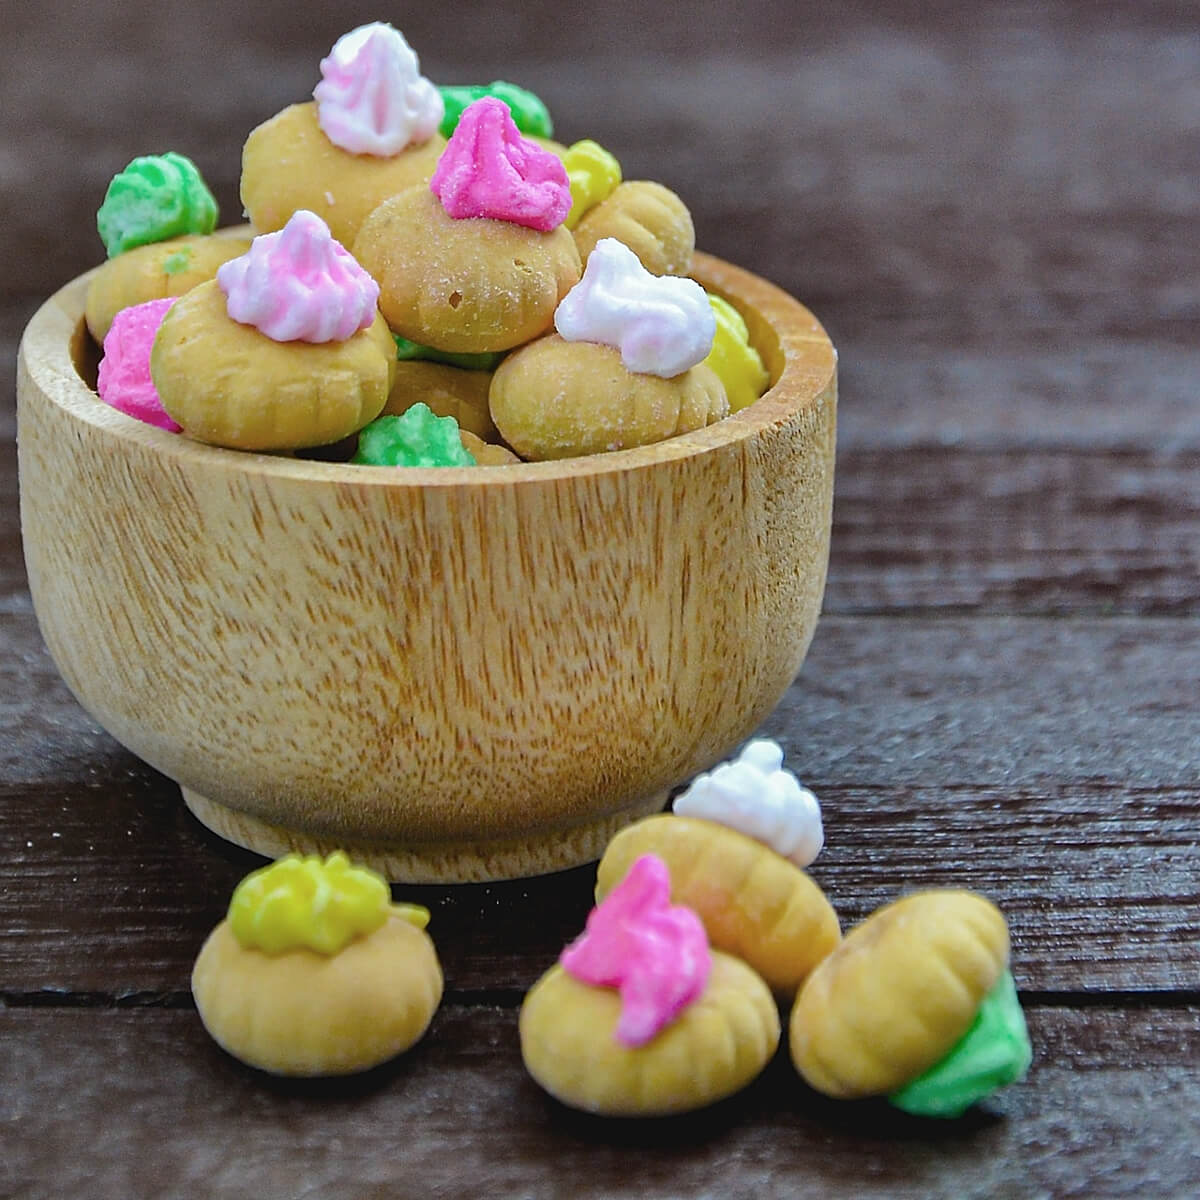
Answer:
(370, 132)
(123, 379)
(639, 1017)
(479, 260)
(285, 349)
(624, 369)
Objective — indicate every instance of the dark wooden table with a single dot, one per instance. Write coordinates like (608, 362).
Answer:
(994, 209)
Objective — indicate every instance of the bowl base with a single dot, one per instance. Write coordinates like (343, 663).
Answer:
(430, 862)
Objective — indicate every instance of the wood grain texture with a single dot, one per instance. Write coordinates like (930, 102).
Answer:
(992, 209)
(1067, 794)
(172, 1114)
(442, 661)
(949, 530)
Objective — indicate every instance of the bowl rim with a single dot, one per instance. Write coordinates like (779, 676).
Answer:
(47, 355)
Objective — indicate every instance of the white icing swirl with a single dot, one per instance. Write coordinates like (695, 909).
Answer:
(372, 98)
(756, 796)
(662, 325)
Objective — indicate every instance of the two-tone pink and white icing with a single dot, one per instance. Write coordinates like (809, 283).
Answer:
(489, 169)
(662, 325)
(755, 795)
(655, 953)
(372, 98)
(299, 285)
(124, 376)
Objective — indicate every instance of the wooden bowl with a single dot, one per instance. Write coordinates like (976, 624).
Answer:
(456, 674)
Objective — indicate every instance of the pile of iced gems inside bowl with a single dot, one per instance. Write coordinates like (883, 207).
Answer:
(435, 281)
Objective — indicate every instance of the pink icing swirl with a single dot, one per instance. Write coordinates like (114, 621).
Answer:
(489, 170)
(299, 285)
(372, 98)
(124, 376)
(654, 952)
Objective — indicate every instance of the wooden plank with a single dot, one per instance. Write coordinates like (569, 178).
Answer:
(1049, 763)
(145, 1105)
(1053, 532)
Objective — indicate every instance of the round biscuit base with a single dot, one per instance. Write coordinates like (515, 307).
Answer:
(429, 862)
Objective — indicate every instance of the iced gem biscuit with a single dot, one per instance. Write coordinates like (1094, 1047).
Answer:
(623, 370)
(124, 379)
(478, 261)
(640, 1018)
(285, 349)
(449, 392)
(156, 223)
(489, 170)
(648, 218)
(735, 361)
(416, 439)
(370, 133)
(734, 858)
(155, 198)
(529, 114)
(155, 272)
(917, 1004)
(315, 972)
(486, 454)
(755, 795)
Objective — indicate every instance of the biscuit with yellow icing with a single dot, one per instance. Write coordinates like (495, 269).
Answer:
(317, 973)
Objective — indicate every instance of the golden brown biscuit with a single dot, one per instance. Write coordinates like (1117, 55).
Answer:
(473, 285)
(486, 454)
(449, 392)
(231, 385)
(898, 993)
(714, 1048)
(154, 272)
(288, 163)
(648, 218)
(559, 399)
(754, 903)
(302, 1013)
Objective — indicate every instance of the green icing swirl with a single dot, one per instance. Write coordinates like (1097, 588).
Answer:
(306, 902)
(529, 114)
(407, 351)
(415, 439)
(155, 198)
(993, 1053)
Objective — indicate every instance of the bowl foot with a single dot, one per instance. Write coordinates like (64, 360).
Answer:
(429, 862)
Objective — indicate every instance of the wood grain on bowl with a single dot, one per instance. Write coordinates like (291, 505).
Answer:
(461, 673)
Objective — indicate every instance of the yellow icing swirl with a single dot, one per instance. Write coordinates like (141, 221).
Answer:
(736, 362)
(306, 902)
(593, 174)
